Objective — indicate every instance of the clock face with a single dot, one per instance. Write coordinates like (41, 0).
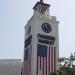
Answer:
(46, 27)
(29, 30)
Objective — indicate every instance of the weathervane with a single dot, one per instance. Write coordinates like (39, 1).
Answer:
(41, 1)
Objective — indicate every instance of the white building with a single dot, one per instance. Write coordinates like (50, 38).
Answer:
(41, 50)
(10, 66)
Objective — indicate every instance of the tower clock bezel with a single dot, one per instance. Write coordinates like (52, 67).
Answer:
(46, 27)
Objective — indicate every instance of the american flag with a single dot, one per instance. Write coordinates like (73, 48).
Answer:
(27, 61)
(46, 59)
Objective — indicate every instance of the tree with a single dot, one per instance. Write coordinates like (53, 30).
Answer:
(66, 65)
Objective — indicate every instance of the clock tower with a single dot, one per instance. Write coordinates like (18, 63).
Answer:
(41, 46)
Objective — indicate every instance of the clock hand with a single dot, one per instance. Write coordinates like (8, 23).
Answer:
(46, 27)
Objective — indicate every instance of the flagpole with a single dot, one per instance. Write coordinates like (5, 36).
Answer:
(41, 1)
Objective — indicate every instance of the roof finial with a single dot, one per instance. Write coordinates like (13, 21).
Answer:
(41, 1)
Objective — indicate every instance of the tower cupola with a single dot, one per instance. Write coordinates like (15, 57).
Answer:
(41, 7)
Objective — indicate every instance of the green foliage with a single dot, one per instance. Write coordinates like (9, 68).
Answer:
(66, 66)
(54, 73)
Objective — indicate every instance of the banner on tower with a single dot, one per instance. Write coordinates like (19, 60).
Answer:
(46, 59)
(27, 60)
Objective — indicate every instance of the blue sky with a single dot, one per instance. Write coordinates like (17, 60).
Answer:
(13, 17)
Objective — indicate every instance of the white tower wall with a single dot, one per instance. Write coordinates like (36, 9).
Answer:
(36, 22)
